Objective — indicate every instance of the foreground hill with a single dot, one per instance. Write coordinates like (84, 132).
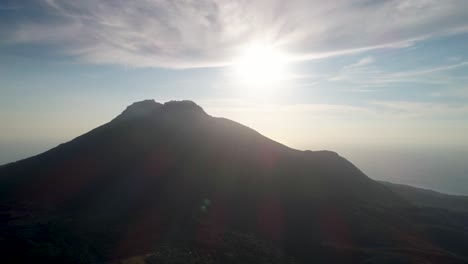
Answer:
(170, 175)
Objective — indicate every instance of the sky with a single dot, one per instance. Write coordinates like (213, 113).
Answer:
(335, 74)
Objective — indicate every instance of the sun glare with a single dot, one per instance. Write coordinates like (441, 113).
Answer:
(260, 65)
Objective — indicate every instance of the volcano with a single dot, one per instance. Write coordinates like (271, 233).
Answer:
(169, 178)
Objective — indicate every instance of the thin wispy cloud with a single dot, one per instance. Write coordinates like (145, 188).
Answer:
(461, 93)
(431, 70)
(365, 72)
(361, 71)
(184, 34)
(410, 109)
(362, 62)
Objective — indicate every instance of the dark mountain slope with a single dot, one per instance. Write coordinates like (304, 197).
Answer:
(428, 198)
(182, 132)
(170, 173)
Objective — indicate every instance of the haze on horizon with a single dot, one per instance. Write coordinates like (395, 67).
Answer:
(358, 77)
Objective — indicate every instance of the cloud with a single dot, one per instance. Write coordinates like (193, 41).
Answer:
(431, 70)
(428, 75)
(460, 93)
(365, 73)
(360, 71)
(373, 110)
(207, 33)
(410, 109)
(312, 110)
(362, 62)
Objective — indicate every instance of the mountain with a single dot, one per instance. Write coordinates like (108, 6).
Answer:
(428, 198)
(171, 176)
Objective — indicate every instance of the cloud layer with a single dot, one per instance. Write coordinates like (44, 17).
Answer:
(203, 33)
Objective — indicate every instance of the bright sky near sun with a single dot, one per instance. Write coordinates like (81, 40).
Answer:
(310, 74)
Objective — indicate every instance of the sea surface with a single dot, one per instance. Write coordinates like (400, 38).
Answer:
(440, 168)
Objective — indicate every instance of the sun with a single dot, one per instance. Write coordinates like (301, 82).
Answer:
(260, 65)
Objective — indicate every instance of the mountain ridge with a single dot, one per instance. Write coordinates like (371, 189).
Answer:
(151, 107)
(170, 173)
(429, 198)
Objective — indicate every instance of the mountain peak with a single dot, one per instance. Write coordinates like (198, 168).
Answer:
(141, 108)
(183, 106)
(151, 107)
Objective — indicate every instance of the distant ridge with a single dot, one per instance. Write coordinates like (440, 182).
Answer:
(429, 198)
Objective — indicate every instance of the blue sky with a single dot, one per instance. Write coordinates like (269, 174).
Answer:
(359, 72)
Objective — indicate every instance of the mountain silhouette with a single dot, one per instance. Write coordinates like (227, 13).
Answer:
(428, 198)
(171, 176)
